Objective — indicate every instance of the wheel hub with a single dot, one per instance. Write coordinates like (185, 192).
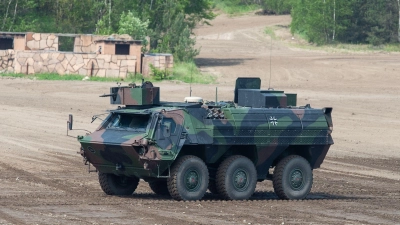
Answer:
(192, 180)
(240, 181)
(296, 179)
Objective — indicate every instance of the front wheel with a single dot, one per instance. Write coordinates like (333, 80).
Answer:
(292, 178)
(189, 179)
(117, 185)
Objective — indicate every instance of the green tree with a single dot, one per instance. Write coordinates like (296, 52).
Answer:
(374, 22)
(321, 21)
(133, 26)
(170, 22)
(277, 6)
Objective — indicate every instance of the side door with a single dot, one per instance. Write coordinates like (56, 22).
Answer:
(168, 132)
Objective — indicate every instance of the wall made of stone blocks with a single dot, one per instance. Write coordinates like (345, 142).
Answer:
(160, 61)
(41, 41)
(31, 62)
(86, 43)
(7, 61)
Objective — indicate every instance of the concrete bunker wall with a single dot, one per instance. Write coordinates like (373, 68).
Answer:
(40, 41)
(31, 62)
(159, 61)
(92, 55)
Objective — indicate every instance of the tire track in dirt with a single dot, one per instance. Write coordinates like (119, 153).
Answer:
(390, 164)
(7, 217)
(356, 169)
(33, 213)
(30, 177)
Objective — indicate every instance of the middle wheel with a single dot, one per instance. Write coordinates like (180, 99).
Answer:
(189, 178)
(236, 178)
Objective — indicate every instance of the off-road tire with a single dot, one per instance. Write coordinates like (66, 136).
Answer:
(236, 178)
(159, 187)
(117, 185)
(292, 178)
(189, 178)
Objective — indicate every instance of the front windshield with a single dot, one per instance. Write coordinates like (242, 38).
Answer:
(136, 122)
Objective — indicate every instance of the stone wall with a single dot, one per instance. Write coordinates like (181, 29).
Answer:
(31, 62)
(6, 61)
(40, 55)
(41, 41)
(86, 43)
(160, 61)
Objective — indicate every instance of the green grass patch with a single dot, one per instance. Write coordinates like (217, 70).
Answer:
(189, 73)
(183, 71)
(55, 76)
(270, 32)
(344, 47)
(16, 75)
(234, 7)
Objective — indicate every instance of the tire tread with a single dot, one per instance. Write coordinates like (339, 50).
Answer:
(172, 182)
(221, 174)
(106, 186)
(278, 176)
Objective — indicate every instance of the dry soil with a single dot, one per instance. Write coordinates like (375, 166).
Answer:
(43, 179)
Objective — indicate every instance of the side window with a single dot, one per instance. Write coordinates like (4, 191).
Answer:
(165, 128)
(170, 123)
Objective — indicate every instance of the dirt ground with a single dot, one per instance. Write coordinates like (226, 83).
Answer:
(43, 180)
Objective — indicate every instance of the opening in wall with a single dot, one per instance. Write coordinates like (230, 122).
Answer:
(6, 43)
(66, 44)
(122, 49)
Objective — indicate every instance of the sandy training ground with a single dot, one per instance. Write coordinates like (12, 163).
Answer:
(43, 179)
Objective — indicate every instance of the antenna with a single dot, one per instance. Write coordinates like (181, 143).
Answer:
(270, 65)
(216, 95)
(190, 91)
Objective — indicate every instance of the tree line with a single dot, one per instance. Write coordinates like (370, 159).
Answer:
(349, 21)
(168, 23)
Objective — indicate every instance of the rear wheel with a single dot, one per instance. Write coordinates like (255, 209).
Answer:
(117, 185)
(159, 187)
(236, 178)
(292, 178)
(189, 179)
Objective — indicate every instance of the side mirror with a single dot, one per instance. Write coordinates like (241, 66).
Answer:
(70, 121)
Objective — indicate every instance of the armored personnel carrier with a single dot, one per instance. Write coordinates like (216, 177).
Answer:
(182, 149)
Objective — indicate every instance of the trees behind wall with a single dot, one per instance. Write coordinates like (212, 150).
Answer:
(328, 21)
(170, 22)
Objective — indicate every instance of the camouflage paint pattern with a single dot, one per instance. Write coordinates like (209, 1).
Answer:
(135, 95)
(211, 132)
